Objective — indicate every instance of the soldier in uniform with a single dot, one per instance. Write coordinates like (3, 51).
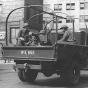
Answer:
(22, 35)
(67, 36)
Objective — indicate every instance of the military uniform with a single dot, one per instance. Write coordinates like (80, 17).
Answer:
(23, 35)
(68, 35)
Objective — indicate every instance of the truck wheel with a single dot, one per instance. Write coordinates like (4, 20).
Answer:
(30, 75)
(27, 75)
(20, 74)
(73, 73)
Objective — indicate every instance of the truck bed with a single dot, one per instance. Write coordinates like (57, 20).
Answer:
(28, 53)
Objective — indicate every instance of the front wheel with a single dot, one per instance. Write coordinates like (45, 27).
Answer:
(71, 74)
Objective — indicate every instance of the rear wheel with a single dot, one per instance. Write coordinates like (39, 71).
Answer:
(27, 75)
(20, 74)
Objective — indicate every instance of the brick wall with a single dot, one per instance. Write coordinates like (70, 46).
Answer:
(15, 17)
(7, 6)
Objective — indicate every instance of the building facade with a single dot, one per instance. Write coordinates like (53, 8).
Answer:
(14, 21)
(17, 18)
(77, 9)
(5, 7)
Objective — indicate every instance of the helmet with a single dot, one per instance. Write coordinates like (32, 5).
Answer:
(25, 24)
(64, 26)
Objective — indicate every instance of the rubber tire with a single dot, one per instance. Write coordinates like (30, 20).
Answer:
(20, 75)
(71, 74)
(27, 75)
(30, 75)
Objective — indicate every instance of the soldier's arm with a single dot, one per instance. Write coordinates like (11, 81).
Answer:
(64, 36)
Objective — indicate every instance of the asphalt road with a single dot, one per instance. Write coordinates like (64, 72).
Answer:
(9, 79)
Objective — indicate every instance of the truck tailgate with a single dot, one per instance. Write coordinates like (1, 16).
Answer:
(23, 52)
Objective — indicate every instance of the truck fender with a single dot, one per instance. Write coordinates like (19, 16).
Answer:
(77, 57)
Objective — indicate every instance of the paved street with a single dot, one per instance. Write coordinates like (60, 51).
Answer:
(9, 79)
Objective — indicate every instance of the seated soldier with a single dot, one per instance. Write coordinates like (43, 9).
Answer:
(68, 35)
(33, 39)
(22, 35)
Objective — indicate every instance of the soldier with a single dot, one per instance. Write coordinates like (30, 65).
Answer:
(68, 35)
(22, 35)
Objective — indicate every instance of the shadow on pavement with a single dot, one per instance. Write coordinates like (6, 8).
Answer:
(55, 82)
(52, 82)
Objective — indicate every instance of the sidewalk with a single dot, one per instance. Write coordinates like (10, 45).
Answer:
(2, 62)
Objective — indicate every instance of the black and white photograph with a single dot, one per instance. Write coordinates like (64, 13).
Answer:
(43, 43)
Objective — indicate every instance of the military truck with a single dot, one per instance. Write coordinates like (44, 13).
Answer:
(66, 59)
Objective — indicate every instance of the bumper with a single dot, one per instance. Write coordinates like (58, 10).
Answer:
(26, 66)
